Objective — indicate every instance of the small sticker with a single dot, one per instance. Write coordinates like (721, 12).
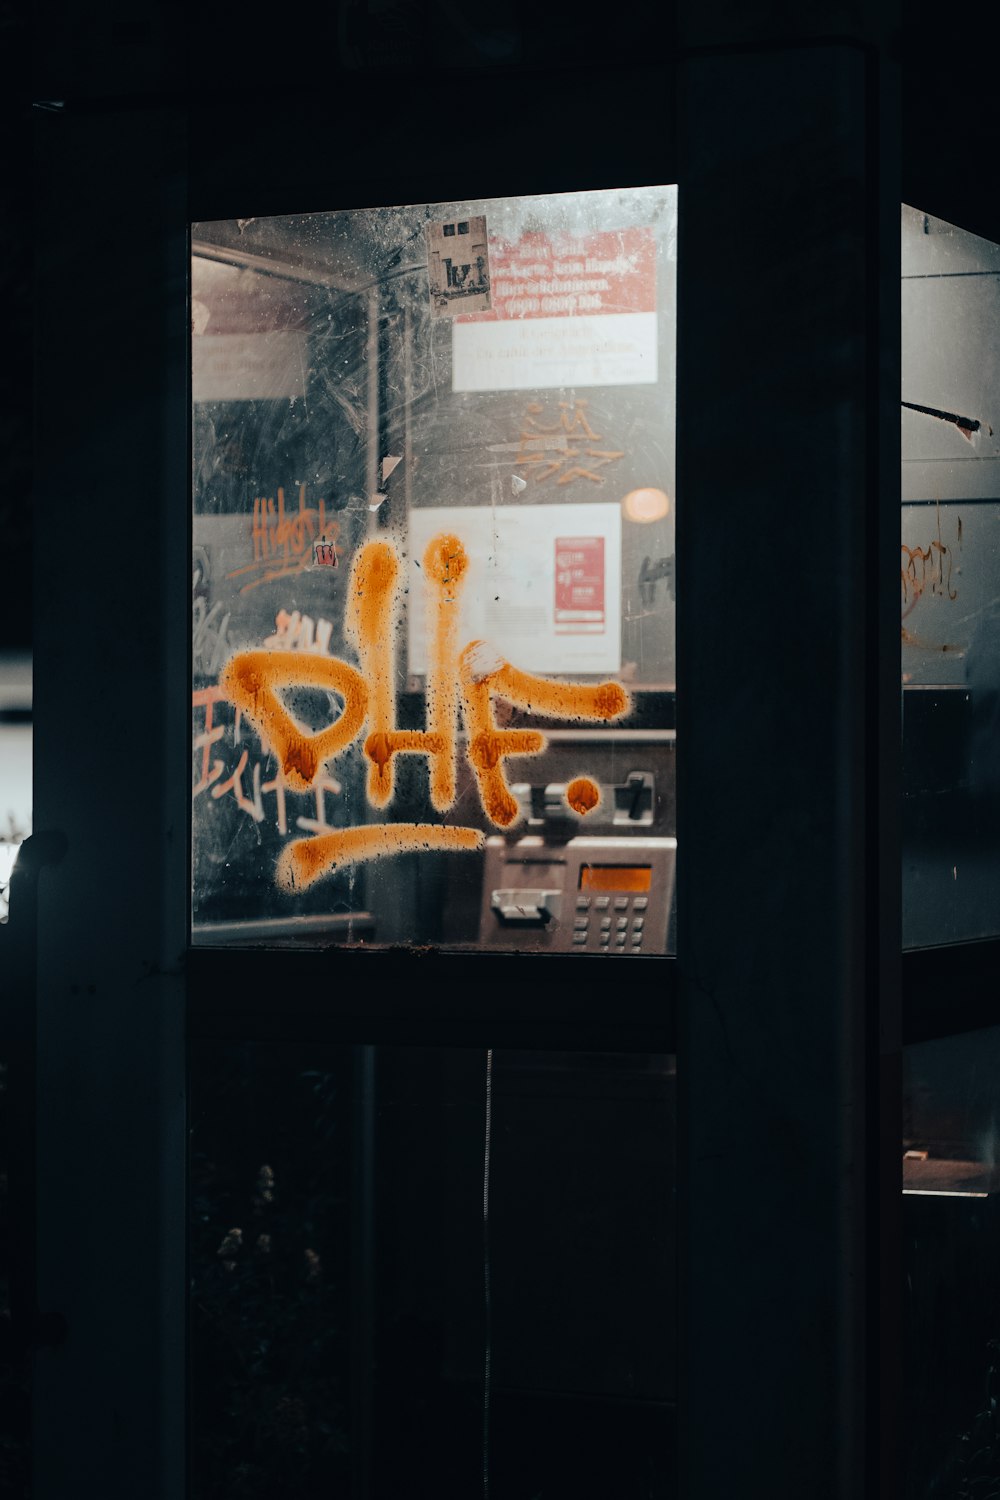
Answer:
(579, 572)
(458, 267)
(324, 553)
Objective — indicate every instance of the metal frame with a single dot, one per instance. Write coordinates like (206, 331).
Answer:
(428, 998)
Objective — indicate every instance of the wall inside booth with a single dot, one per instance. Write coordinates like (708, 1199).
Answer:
(365, 392)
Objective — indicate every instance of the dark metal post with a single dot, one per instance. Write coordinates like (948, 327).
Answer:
(788, 874)
(112, 744)
(362, 1382)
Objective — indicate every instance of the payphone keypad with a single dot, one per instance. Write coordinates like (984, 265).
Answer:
(614, 924)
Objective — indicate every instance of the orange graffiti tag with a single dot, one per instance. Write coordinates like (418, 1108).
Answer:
(583, 795)
(484, 674)
(283, 540)
(927, 569)
(251, 680)
(306, 860)
(463, 681)
(548, 449)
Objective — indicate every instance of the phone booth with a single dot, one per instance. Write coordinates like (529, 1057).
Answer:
(458, 952)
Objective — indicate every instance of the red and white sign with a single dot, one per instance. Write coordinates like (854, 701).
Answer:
(579, 576)
(567, 310)
(566, 276)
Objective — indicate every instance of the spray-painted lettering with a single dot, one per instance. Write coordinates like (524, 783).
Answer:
(460, 682)
(283, 539)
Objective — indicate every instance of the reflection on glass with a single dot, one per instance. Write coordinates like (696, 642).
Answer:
(950, 582)
(433, 569)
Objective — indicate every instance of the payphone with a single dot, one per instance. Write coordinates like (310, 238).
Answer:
(591, 895)
(551, 887)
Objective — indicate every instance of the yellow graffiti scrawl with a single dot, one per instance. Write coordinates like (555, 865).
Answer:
(460, 681)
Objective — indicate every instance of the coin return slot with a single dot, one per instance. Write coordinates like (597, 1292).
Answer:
(525, 907)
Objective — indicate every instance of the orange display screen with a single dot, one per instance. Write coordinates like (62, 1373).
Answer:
(615, 877)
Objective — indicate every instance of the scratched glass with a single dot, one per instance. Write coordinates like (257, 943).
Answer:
(950, 582)
(433, 575)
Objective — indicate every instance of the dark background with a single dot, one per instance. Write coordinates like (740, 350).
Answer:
(225, 64)
(15, 299)
(232, 67)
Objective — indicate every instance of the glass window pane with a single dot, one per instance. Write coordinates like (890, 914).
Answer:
(951, 1242)
(433, 573)
(950, 582)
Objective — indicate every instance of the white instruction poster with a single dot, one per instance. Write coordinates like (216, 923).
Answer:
(543, 585)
